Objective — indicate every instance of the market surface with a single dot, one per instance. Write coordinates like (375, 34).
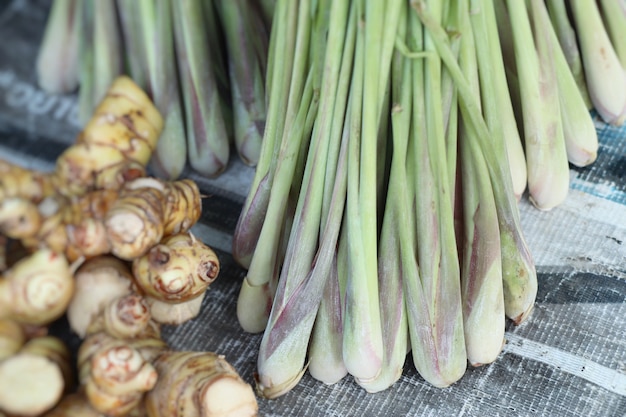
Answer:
(567, 359)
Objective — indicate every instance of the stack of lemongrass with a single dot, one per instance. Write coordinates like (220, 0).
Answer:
(383, 217)
(561, 60)
(202, 62)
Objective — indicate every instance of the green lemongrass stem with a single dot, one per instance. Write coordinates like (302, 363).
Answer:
(416, 195)
(481, 271)
(392, 12)
(418, 318)
(86, 61)
(107, 48)
(325, 361)
(433, 75)
(206, 130)
(247, 79)
(283, 349)
(326, 348)
(606, 78)
(450, 12)
(267, 8)
(307, 264)
(614, 14)
(579, 131)
(448, 93)
(216, 45)
(215, 41)
(391, 299)
(451, 25)
(392, 303)
(158, 67)
(282, 105)
(451, 132)
(255, 297)
(519, 273)
(133, 39)
(256, 293)
(338, 119)
(442, 138)
(447, 273)
(260, 33)
(271, 53)
(546, 157)
(300, 166)
(569, 44)
(481, 255)
(436, 329)
(505, 35)
(362, 343)
(57, 58)
(498, 109)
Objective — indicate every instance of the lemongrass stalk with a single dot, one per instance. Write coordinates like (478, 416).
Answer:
(392, 12)
(57, 58)
(362, 341)
(283, 348)
(273, 41)
(481, 276)
(450, 21)
(449, 96)
(215, 42)
(606, 78)
(325, 362)
(247, 79)
(281, 106)
(267, 8)
(498, 111)
(255, 296)
(338, 120)
(392, 303)
(568, 41)
(416, 300)
(422, 340)
(435, 124)
(216, 45)
(207, 135)
(260, 33)
(505, 35)
(363, 344)
(150, 38)
(481, 255)
(519, 273)
(614, 14)
(436, 331)
(452, 130)
(325, 350)
(325, 347)
(546, 157)
(107, 48)
(132, 38)
(579, 131)
(86, 61)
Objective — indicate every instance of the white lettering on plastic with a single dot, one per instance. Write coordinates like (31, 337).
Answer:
(21, 95)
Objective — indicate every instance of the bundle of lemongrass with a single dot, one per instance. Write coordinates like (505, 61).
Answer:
(202, 62)
(383, 217)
